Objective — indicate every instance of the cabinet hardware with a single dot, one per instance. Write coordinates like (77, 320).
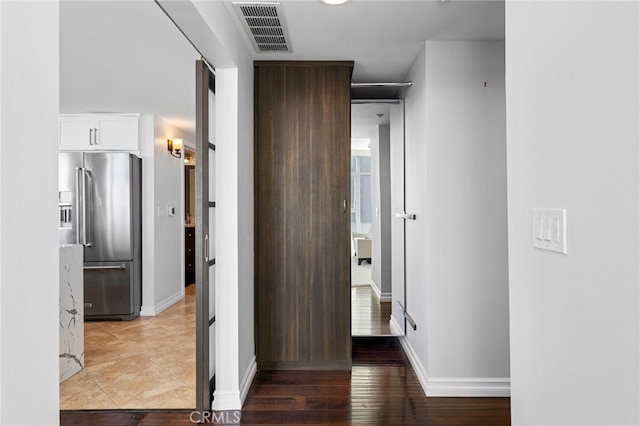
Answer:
(95, 268)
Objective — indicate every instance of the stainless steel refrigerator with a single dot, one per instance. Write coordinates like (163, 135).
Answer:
(99, 201)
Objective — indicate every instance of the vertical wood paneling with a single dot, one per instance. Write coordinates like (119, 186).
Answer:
(302, 233)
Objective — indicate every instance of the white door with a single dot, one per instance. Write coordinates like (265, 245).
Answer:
(397, 161)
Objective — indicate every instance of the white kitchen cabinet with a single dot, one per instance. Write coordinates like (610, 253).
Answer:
(86, 132)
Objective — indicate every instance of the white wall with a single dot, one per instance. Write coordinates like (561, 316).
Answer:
(29, 311)
(376, 249)
(572, 131)
(210, 26)
(415, 203)
(397, 187)
(457, 289)
(163, 245)
(245, 227)
(234, 214)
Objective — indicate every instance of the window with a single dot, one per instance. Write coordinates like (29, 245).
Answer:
(360, 194)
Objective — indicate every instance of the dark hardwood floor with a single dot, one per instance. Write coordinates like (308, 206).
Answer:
(381, 389)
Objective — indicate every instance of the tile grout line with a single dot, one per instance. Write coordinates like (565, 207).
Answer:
(173, 375)
(103, 390)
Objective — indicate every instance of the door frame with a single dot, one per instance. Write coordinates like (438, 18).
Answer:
(205, 82)
(398, 328)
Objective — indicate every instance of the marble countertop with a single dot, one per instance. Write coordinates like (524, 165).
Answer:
(71, 295)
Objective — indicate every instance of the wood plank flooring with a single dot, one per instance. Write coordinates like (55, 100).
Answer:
(369, 316)
(382, 389)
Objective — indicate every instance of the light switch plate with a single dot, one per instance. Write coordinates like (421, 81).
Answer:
(549, 229)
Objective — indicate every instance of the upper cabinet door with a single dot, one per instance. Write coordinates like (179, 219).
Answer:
(76, 133)
(117, 132)
(98, 132)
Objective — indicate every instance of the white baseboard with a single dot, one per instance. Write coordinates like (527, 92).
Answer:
(247, 379)
(469, 386)
(226, 401)
(375, 289)
(385, 297)
(152, 311)
(382, 297)
(396, 329)
(455, 386)
(419, 369)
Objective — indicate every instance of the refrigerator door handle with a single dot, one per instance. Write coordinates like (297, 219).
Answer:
(79, 205)
(87, 197)
(118, 267)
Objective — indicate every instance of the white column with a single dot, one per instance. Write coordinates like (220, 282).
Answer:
(29, 316)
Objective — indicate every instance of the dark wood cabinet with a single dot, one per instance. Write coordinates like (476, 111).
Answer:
(302, 214)
(189, 255)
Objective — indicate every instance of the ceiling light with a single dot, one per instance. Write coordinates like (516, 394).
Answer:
(333, 2)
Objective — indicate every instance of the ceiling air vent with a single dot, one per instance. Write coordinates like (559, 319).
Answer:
(264, 24)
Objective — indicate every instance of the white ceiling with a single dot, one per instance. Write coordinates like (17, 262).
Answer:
(382, 37)
(127, 56)
(364, 118)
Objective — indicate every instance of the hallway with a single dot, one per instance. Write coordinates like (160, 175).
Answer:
(382, 389)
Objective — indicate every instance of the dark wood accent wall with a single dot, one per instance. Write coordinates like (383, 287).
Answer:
(302, 214)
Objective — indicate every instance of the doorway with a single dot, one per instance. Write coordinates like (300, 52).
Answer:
(189, 216)
(148, 362)
(377, 141)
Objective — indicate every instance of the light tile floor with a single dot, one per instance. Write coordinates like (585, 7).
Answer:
(150, 362)
(145, 363)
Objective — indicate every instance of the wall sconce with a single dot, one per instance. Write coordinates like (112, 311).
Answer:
(174, 146)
